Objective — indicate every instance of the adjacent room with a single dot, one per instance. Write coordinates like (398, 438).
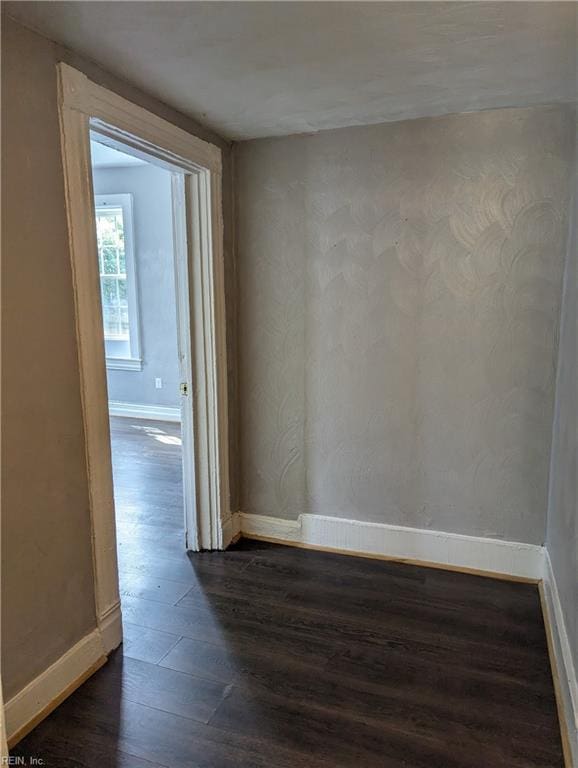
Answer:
(300, 489)
(133, 202)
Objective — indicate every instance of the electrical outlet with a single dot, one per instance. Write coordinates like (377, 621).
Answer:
(158, 383)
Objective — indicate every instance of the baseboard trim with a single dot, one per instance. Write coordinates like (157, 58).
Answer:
(276, 529)
(43, 694)
(490, 557)
(231, 530)
(561, 661)
(142, 411)
(110, 625)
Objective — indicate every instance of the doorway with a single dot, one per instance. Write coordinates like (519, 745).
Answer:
(147, 357)
(196, 201)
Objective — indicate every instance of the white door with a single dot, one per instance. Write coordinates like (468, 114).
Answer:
(181, 251)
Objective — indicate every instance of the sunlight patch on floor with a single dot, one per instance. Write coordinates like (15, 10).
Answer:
(158, 434)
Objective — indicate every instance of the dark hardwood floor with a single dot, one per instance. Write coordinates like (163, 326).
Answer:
(274, 657)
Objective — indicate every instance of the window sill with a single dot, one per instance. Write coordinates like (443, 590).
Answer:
(123, 364)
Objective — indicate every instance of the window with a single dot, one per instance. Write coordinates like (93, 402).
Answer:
(114, 236)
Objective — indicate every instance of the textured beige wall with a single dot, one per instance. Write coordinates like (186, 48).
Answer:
(399, 295)
(562, 526)
(47, 589)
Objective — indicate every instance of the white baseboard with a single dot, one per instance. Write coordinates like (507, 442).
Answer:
(450, 550)
(562, 652)
(269, 527)
(110, 625)
(141, 411)
(46, 691)
(231, 529)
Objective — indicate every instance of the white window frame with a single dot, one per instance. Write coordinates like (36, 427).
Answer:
(134, 361)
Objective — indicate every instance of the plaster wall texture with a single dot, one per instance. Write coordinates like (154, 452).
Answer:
(399, 299)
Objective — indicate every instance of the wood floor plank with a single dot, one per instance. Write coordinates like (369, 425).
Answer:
(199, 623)
(165, 689)
(357, 602)
(212, 662)
(374, 630)
(128, 531)
(70, 752)
(268, 656)
(88, 723)
(146, 644)
(385, 578)
(430, 693)
(351, 742)
(179, 566)
(139, 584)
(158, 567)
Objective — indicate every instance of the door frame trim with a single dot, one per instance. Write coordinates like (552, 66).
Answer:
(84, 105)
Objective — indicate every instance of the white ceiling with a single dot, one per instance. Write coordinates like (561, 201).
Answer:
(107, 157)
(273, 68)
